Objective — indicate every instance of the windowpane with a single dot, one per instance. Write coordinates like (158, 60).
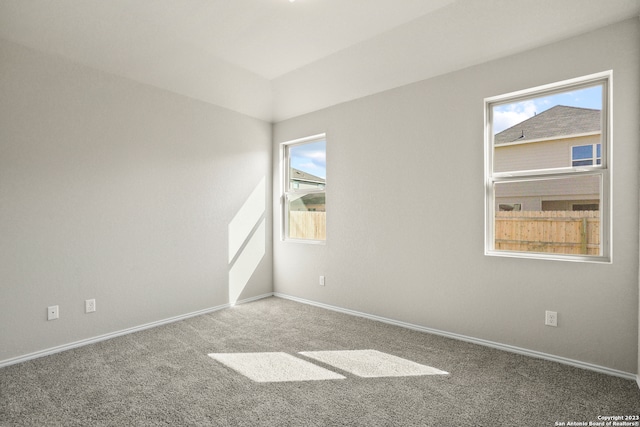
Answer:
(559, 215)
(509, 207)
(304, 207)
(314, 202)
(307, 165)
(582, 152)
(582, 163)
(537, 133)
(307, 217)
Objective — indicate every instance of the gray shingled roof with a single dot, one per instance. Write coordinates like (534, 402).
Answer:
(298, 175)
(552, 123)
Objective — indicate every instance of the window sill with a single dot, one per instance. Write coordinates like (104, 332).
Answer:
(304, 241)
(549, 256)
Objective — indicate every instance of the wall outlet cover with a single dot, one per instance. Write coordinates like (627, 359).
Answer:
(53, 312)
(551, 318)
(89, 306)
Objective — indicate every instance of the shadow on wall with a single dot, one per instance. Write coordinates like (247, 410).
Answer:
(247, 241)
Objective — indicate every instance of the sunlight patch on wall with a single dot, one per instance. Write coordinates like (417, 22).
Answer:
(247, 262)
(247, 241)
(246, 219)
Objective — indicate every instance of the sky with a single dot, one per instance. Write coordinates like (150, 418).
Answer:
(310, 158)
(507, 115)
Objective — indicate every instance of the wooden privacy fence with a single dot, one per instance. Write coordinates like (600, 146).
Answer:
(565, 232)
(308, 225)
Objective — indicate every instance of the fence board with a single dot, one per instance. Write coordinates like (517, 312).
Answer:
(308, 225)
(566, 232)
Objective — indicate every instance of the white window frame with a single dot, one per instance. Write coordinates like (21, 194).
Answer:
(286, 191)
(604, 170)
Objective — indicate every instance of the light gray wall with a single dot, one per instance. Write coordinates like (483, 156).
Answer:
(405, 212)
(113, 190)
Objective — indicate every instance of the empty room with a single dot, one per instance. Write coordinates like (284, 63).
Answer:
(319, 212)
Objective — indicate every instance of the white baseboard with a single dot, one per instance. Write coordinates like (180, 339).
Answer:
(110, 335)
(419, 328)
(499, 346)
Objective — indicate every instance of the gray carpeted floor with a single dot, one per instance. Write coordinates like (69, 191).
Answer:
(163, 376)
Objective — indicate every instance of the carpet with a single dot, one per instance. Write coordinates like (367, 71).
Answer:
(164, 377)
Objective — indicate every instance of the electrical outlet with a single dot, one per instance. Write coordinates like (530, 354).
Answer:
(89, 306)
(321, 280)
(551, 318)
(52, 312)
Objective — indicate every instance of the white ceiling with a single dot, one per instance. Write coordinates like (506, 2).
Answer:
(274, 59)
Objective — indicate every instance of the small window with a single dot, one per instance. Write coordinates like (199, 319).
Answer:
(510, 207)
(563, 209)
(586, 155)
(304, 195)
(586, 207)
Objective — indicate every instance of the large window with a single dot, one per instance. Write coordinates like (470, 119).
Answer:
(542, 202)
(304, 194)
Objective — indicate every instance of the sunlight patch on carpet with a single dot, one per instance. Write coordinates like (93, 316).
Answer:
(372, 363)
(274, 367)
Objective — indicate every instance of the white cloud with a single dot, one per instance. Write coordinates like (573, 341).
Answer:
(317, 157)
(508, 115)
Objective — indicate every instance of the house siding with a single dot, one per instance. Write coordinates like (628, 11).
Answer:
(538, 155)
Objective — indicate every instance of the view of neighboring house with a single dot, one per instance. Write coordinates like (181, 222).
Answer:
(311, 202)
(559, 137)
